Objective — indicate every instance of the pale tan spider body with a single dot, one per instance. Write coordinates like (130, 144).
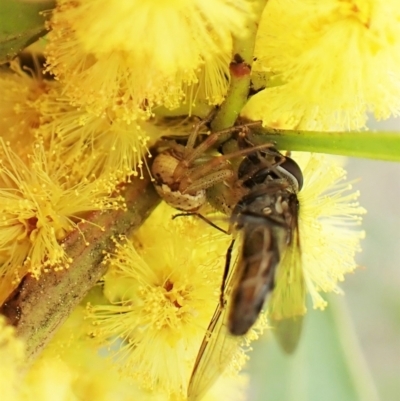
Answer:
(183, 174)
(163, 169)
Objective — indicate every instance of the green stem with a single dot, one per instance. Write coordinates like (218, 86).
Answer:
(21, 23)
(240, 68)
(371, 145)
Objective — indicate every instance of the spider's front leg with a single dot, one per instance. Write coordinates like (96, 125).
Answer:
(183, 173)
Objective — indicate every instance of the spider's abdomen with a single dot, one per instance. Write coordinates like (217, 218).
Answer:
(163, 169)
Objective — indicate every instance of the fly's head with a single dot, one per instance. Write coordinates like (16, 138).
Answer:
(260, 167)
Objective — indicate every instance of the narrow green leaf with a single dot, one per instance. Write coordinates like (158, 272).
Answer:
(21, 23)
(365, 144)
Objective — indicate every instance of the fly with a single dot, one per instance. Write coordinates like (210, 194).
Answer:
(257, 187)
(263, 207)
(267, 216)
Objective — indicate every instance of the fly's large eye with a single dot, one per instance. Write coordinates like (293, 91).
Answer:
(292, 171)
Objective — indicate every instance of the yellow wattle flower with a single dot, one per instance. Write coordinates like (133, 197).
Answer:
(163, 289)
(104, 146)
(71, 368)
(49, 379)
(33, 110)
(329, 221)
(133, 55)
(12, 353)
(19, 115)
(38, 208)
(337, 61)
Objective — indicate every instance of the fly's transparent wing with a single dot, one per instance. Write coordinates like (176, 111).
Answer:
(286, 306)
(214, 355)
(218, 345)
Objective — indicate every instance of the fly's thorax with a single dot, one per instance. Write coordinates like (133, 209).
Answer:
(271, 202)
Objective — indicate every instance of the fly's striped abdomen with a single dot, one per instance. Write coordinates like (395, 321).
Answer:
(257, 265)
(265, 232)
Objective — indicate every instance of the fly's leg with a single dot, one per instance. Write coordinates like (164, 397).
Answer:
(276, 160)
(228, 259)
(192, 153)
(183, 173)
(215, 170)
